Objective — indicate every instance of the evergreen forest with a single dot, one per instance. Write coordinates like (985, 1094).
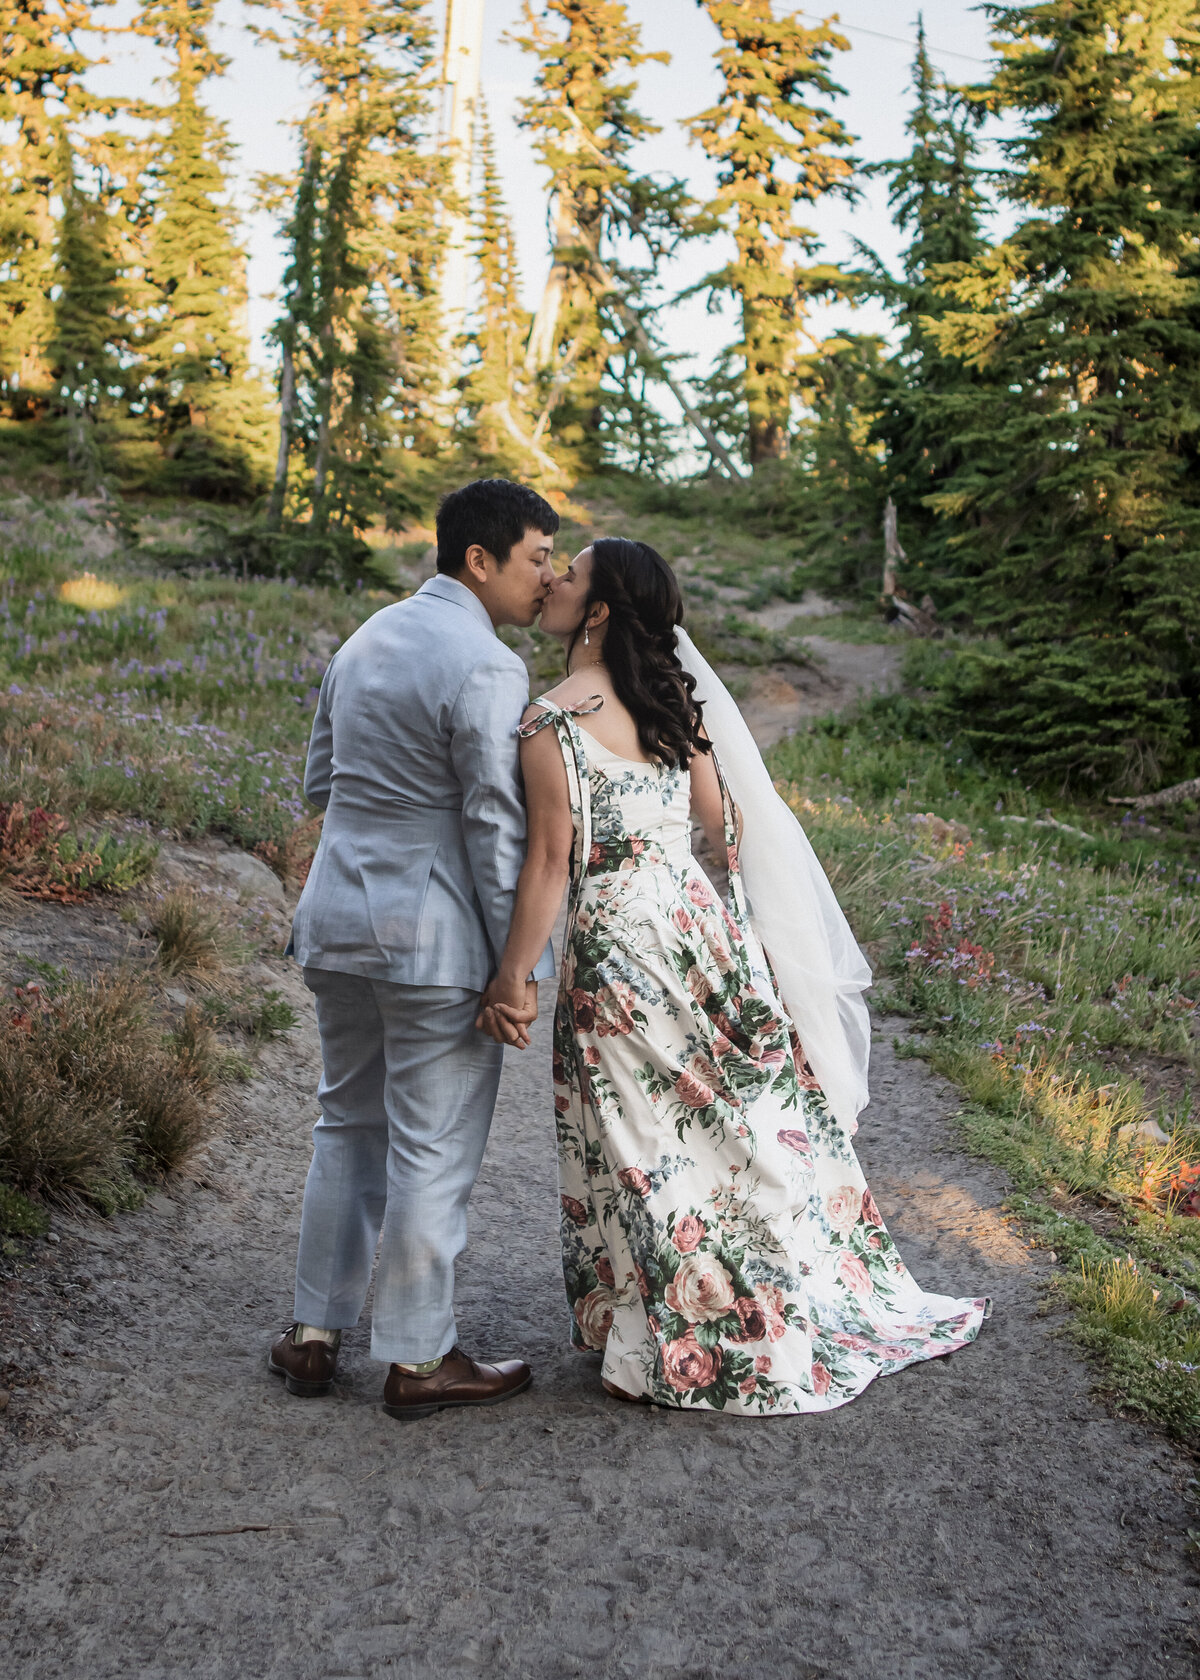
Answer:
(1027, 425)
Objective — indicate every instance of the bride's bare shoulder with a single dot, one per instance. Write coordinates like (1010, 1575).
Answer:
(574, 689)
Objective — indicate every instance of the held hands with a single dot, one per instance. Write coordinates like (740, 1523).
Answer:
(507, 1010)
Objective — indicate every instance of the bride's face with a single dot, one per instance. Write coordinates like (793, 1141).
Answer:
(562, 611)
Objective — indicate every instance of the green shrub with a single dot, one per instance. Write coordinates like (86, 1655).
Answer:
(19, 1217)
(244, 547)
(1095, 710)
(41, 859)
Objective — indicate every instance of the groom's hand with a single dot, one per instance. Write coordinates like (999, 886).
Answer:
(507, 1010)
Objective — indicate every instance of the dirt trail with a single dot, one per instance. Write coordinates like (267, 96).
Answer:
(780, 698)
(172, 1512)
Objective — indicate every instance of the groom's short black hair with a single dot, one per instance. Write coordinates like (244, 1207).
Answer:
(493, 512)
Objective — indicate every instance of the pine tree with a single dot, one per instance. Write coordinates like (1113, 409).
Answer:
(87, 309)
(1074, 507)
(210, 411)
(937, 198)
(774, 151)
(41, 71)
(359, 333)
(496, 389)
(595, 311)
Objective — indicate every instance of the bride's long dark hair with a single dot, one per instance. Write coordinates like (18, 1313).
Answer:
(644, 606)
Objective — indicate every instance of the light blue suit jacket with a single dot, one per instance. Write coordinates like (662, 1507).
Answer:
(413, 757)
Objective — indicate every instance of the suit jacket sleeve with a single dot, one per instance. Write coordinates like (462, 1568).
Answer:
(318, 768)
(484, 752)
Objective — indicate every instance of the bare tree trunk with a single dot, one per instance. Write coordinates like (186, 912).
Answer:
(558, 385)
(287, 404)
(539, 350)
(922, 620)
(462, 50)
(324, 410)
(892, 552)
(509, 421)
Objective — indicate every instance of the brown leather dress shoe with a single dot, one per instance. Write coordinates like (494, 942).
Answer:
(458, 1381)
(307, 1370)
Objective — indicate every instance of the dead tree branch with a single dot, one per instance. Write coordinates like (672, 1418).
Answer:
(1165, 796)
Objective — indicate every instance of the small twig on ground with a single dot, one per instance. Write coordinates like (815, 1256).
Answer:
(207, 1533)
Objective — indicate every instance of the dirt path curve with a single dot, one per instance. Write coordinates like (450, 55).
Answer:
(174, 1513)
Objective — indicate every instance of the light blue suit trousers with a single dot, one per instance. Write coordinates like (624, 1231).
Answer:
(406, 1098)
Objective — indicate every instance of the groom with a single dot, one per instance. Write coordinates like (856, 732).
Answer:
(399, 929)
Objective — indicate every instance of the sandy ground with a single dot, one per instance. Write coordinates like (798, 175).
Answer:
(782, 697)
(166, 1509)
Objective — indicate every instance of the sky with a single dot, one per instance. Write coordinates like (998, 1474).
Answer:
(260, 96)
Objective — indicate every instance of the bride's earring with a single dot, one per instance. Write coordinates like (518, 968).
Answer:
(587, 636)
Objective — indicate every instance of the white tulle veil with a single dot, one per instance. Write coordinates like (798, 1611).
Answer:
(821, 972)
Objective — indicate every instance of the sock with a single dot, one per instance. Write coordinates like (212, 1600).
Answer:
(420, 1370)
(313, 1333)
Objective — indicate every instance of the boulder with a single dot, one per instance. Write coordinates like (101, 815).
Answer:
(1142, 1131)
(252, 877)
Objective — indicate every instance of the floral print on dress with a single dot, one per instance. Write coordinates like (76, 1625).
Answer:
(721, 1247)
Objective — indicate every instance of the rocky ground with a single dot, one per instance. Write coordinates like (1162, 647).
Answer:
(167, 1510)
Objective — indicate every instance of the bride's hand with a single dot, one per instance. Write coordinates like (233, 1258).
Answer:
(494, 1020)
(507, 1010)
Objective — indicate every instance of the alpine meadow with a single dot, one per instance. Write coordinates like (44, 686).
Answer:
(935, 518)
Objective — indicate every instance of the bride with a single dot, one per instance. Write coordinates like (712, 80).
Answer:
(721, 1247)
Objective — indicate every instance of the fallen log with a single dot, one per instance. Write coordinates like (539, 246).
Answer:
(1165, 796)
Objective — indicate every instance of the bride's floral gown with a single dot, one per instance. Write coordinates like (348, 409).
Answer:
(720, 1244)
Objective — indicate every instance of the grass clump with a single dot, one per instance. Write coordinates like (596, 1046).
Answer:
(1148, 1335)
(260, 1015)
(203, 1060)
(93, 1095)
(193, 938)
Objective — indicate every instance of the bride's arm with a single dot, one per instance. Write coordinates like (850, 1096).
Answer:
(551, 835)
(707, 807)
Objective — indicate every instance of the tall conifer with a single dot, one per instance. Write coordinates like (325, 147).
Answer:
(496, 388)
(41, 71)
(585, 127)
(359, 331)
(86, 317)
(210, 411)
(774, 151)
(1074, 507)
(937, 198)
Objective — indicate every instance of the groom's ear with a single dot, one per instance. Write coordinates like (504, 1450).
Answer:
(475, 562)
